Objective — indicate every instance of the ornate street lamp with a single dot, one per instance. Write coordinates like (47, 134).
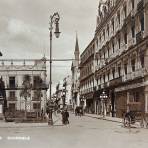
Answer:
(103, 98)
(54, 20)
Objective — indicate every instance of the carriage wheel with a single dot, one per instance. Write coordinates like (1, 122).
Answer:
(127, 121)
(142, 123)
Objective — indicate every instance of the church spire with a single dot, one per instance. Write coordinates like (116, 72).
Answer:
(77, 48)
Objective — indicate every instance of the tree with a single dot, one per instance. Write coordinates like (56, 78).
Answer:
(38, 84)
(3, 94)
(26, 90)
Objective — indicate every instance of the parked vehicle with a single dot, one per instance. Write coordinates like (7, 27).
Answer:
(134, 116)
(79, 111)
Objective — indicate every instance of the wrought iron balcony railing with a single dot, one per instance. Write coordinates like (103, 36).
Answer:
(12, 98)
(139, 36)
(140, 5)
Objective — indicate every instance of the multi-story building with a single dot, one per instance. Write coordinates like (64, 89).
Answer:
(87, 79)
(58, 94)
(75, 77)
(15, 74)
(67, 91)
(63, 93)
(121, 40)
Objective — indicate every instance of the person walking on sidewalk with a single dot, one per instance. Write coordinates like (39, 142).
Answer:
(65, 116)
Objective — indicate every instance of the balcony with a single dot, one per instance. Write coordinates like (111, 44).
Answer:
(139, 36)
(123, 48)
(118, 27)
(102, 63)
(43, 86)
(12, 98)
(127, 19)
(102, 85)
(97, 67)
(113, 55)
(133, 13)
(115, 81)
(12, 86)
(140, 6)
(36, 99)
(131, 42)
(133, 75)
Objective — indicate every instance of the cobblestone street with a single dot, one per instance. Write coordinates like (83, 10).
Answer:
(83, 132)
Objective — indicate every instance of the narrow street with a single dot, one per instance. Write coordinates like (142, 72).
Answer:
(83, 132)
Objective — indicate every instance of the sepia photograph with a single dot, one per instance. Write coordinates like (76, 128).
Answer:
(73, 73)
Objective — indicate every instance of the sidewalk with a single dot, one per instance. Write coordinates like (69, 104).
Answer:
(4, 124)
(107, 118)
(56, 120)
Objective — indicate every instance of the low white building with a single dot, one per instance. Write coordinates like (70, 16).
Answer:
(13, 73)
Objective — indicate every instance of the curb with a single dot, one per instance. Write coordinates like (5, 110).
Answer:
(101, 118)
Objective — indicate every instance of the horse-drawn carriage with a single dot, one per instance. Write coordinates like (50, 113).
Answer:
(135, 114)
(79, 111)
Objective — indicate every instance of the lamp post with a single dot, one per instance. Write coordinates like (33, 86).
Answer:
(103, 98)
(54, 20)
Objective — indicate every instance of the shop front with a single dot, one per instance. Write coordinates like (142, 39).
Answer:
(131, 93)
(90, 107)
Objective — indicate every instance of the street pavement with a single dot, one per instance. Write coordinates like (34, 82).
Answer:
(82, 132)
(107, 118)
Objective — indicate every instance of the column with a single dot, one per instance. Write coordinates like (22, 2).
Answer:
(146, 19)
(146, 101)
(128, 100)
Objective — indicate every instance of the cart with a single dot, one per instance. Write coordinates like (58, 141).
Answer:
(135, 114)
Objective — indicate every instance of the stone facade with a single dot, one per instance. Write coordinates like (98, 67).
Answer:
(87, 81)
(13, 73)
(120, 54)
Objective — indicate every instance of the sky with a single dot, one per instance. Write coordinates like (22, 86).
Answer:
(24, 30)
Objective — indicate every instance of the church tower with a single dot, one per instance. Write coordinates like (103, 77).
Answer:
(77, 51)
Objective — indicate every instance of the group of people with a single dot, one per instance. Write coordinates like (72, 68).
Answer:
(65, 114)
(79, 111)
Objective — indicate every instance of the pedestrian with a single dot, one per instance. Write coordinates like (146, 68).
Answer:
(63, 116)
(42, 114)
(66, 117)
